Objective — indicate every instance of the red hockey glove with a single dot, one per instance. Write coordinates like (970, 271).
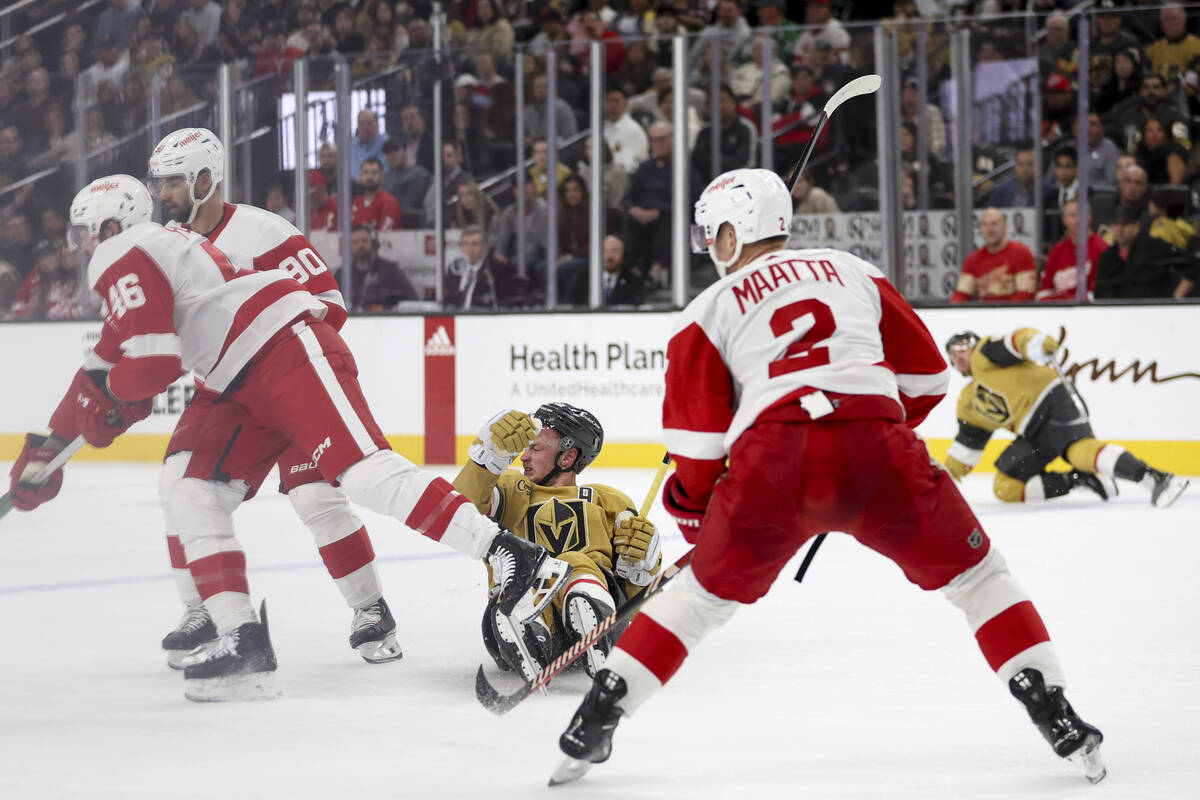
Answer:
(686, 512)
(100, 418)
(34, 456)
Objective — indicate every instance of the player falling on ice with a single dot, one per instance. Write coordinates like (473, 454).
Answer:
(1014, 386)
(186, 170)
(592, 527)
(780, 377)
(174, 302)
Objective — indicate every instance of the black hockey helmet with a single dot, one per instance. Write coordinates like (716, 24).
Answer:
(578, 429)
(963, 338)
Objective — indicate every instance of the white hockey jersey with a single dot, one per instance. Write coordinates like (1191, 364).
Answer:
(810, 328)
(173, 302)
(267, 241)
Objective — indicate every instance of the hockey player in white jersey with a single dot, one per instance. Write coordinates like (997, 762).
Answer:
(173, 302)
(793, 384)
(186, 171)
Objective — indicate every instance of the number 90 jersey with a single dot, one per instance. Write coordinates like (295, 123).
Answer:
(268, 241)
(821, 331)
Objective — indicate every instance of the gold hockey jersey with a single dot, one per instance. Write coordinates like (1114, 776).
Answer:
(1004, 394)
(575, 523)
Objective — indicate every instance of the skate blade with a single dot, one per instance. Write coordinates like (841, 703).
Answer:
(240, 688)
(569, 769)
(381, 652)
(1087, 758)
(182, 659)
(553, 575)
(1172, 492)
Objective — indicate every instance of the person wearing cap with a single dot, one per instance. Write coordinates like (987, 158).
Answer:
(1002, 271)
(783, 30)
(406, 181)
(1139, 266)
(1172, 55)
(1109, 38)
(324, 211)
(824, 28)
(1058, 106)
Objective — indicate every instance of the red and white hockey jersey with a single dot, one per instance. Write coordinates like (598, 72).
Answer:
(810, 328)
(269, 241)
(173, 302)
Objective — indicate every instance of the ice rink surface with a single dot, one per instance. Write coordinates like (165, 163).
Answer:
(853, 685)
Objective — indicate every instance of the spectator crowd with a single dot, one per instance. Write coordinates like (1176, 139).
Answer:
(76, 93)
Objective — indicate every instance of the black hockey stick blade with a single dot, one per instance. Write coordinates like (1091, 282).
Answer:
(500, 704)
(864, 84)
(808, 557)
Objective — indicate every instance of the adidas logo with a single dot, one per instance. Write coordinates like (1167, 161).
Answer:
(439, 343)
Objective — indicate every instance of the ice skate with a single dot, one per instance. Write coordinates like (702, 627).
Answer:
(524, 647)
(240, 667)
(184, 645)
(1165, 487)
(373, 633)
(1071, 737)
(1094, 482)
(528, 576)
(583, 615)
(588, 739)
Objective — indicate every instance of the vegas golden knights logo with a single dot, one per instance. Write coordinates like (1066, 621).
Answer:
(558, 524)
(991, 404)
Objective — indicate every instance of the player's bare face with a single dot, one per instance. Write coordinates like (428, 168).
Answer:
(175, 198)
(538, 459)
(961, 357)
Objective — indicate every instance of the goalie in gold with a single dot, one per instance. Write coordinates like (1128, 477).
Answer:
(1014, 387)
(592, 527)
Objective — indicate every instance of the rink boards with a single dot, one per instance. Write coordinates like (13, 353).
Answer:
(433, 380)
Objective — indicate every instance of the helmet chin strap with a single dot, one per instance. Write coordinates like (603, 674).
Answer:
(196, 203)
(723, 266)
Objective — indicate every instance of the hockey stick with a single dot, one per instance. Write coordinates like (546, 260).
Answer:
(1076, 398)
(498, 703)
(865, 84)
(44, 474)
(808, 557)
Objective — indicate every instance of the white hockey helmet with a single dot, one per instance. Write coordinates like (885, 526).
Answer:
(114, 197)
(756, 202)
(188, 152)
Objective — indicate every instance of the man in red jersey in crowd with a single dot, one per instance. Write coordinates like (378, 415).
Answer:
(1001, 270)
(1060, 277)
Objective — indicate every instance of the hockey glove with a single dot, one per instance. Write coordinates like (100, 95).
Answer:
(502, 438)
(636, 545)
(685, 511)
(99, 417)
(34, 456)
(1040, 348)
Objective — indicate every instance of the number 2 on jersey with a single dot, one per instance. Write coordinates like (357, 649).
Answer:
(802, 354)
